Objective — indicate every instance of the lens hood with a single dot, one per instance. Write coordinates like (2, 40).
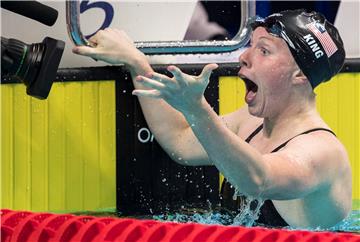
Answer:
(53, 50)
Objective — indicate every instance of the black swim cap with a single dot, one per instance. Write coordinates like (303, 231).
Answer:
(314, 42)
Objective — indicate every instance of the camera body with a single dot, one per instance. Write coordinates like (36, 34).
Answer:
(34, 64)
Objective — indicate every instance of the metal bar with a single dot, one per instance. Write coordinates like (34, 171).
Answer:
(73, 23)
(248, 9)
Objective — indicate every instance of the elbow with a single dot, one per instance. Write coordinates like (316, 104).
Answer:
(257, 186)
(258, 180)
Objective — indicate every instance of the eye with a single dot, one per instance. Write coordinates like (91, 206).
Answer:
(264, 51)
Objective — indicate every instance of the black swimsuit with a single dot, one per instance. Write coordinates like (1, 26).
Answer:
(268, 214)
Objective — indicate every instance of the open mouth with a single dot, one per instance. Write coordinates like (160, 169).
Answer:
(251, 90)
(250, 85)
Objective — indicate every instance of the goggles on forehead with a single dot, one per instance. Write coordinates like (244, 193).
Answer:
(272, 25)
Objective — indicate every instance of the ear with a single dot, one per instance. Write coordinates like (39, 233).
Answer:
(299, 78)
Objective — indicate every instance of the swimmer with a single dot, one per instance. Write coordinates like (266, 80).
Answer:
(277, 147)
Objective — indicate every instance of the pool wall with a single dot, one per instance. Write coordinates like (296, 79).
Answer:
(71, 151)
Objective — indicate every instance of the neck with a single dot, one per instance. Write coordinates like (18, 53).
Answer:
(293, 118)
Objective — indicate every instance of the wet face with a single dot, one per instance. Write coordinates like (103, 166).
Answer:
(267, 69)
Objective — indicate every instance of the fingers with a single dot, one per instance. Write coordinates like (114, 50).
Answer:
(150, 83)
(208, 69)
(87, 50)
(84, 50)
(147, 93)
(162, 78)
(178, 75)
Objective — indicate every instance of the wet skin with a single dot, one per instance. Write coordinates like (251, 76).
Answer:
(309, 180)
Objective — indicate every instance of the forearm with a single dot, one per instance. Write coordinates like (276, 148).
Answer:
(240, 163)
(168, 125)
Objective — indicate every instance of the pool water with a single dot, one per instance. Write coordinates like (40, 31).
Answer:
(350, 224)
(217, 217)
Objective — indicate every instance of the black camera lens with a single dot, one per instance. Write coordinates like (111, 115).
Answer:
(33, 64)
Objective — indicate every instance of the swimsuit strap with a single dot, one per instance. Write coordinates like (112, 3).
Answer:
(255, 132)
(306, 132)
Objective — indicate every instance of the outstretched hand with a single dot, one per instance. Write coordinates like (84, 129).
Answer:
(182, 91)
(110, 45)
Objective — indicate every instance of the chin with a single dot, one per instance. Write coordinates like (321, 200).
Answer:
(258, 110)
(254, 112)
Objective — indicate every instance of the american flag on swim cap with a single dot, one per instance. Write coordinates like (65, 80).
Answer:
(323, 36)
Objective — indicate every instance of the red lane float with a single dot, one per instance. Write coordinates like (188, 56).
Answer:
(26, 226)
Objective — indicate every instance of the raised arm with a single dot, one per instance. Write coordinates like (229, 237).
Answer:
(168, 125)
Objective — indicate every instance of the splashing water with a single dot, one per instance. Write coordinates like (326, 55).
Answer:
(248, 217)
(350, 224)
(250, 212)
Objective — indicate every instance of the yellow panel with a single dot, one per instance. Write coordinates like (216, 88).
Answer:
(231, 96)
(339, 105)
(327, 102)
(7, 147)
(338, 102)
(347, 124)
(90, 145)
(39, 154)
(73, 146)
(59, 154)
(356, 163)
(107, 143)
(22, 157)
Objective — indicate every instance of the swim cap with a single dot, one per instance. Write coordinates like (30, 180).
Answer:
(314, 43)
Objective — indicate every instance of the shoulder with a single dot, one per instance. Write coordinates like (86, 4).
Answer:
(322, 151)
(241, 118)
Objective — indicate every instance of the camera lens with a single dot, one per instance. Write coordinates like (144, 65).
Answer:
(26, 60)
(35, 64)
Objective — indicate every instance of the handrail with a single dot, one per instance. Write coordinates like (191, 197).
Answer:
(172, 47)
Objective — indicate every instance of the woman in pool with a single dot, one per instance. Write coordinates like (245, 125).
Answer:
(277, 147)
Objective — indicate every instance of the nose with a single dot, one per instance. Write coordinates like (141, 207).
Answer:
(244, 58)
